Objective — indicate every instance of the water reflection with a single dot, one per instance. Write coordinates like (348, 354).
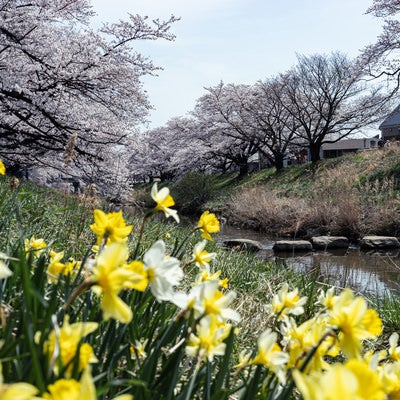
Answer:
(371, 273)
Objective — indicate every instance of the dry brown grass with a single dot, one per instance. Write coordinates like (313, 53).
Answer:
(340, 200)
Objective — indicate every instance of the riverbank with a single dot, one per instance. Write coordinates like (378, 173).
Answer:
(353, 196)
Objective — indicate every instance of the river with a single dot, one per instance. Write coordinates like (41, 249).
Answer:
(370, 273)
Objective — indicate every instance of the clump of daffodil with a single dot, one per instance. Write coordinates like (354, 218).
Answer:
(70, 389)
(355, 322)
(110, 227)
(63, 344)
(2, 168)
(208, 223)
(34, 246)
(284, 302)
(110, 276)
(202, 257)
(208, 340)
(164, 201)
(312, 335)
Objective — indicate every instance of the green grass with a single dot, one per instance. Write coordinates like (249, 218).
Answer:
(31, 307)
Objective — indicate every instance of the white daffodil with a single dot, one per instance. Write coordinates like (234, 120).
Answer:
(164, 200)
(164, 273)
(5, 272)
(202, 257)
(207, 299)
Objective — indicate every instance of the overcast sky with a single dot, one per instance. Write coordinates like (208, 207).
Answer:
(238, 41)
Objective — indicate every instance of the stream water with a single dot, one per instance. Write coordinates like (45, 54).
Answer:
(372, 273)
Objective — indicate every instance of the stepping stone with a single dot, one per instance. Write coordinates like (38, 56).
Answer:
(243, 244)
(330, 242)
(292, 245)
(379, 242)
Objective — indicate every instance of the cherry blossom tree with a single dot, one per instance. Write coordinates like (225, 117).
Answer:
(381, 59)
(60, 78)
(223, 111)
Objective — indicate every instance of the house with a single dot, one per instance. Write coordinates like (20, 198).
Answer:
(344, 146)
(390, 127)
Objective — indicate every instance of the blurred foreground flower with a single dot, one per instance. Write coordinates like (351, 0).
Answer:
(70, 389)
(66, 340)
(164, 200)
(208, 223)
(355, 322)
(351, 381)
(2, 168)
(5, 272)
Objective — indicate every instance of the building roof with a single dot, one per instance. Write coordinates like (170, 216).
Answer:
(349, 144)
(392, 120)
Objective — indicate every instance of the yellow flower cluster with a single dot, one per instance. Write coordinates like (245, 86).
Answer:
(338, 330)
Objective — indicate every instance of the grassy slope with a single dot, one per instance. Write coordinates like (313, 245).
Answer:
(352, 195)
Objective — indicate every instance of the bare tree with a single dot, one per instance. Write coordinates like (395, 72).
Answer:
(329, 99)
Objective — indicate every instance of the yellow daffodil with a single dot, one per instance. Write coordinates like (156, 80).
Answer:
(67, 340)
(208, 223)
(139, 279)
(208, 341)
(301, 340)
(355, 322)
(2, 168)
(202, 257)
(56, 267)
(110, 227)
(138, 349)
(70, 389)
(285, 302)
(327, 299)
(350, 381)
(34, 246)
(270, 354)
(205, 275)
(109, 278)
(163, 272)
(16, 391)
(390, 378)
(163, 201)
(207, 299)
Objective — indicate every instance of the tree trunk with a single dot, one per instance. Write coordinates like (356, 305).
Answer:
(314, 152)
(243, 169)
(278, 161)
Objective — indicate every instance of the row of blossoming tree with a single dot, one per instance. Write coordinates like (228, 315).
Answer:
(119, 322)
